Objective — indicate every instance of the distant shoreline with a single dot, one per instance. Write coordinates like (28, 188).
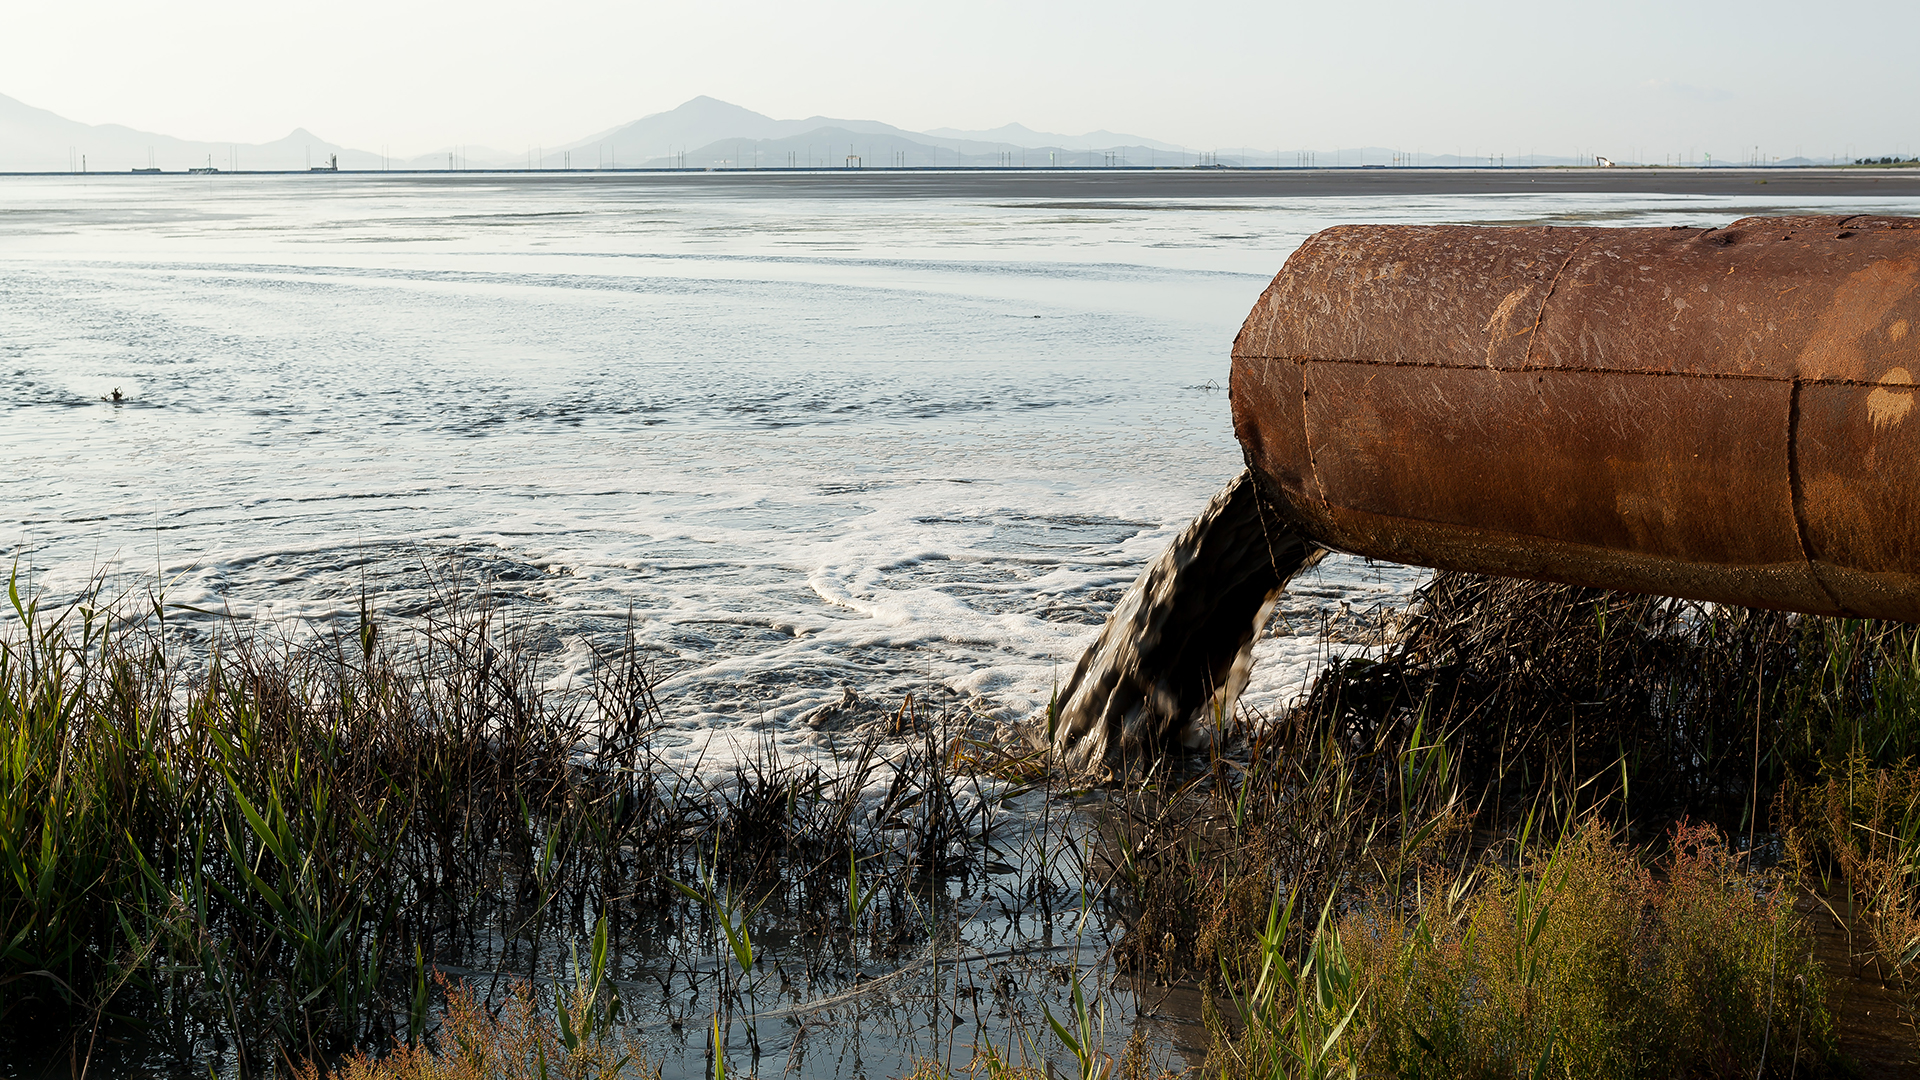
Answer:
(1126, 183)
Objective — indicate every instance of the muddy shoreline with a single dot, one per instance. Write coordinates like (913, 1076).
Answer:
(1078, 188)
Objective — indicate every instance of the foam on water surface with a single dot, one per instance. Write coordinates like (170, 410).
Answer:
(811, 445)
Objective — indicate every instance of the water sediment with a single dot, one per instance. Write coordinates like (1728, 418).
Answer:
(1176, 650)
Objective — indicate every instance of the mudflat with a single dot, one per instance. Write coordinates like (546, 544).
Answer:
(1073, 187)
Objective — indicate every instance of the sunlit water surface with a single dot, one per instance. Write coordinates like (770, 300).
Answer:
(802, 443)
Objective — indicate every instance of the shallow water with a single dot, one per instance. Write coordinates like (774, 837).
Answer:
(808, 443)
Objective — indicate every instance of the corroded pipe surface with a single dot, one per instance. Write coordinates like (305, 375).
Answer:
(1721, 414)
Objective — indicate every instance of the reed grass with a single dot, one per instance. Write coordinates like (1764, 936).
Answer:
(1458, 856)
(1694, 709)
(272, 842)
(1853, 833)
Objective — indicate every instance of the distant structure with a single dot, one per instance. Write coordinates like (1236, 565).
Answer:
(332, 165)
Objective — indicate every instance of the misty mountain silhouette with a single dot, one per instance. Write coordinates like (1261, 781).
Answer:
(706, 132)
(36, 140)
(703, 133)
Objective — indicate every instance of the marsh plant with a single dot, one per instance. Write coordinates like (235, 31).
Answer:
(260, 849)
(1539, 831)
(1542, 831)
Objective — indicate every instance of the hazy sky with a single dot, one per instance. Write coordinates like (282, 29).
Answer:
(1634, 80)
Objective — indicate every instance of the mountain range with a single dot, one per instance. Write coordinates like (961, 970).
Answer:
(703, 133)
(35, 140)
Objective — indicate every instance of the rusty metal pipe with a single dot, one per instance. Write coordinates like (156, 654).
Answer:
(1721, 414)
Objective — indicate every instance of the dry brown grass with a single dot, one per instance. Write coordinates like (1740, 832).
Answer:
(516, 1042)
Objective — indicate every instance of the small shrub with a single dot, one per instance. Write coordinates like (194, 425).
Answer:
(516, 1043)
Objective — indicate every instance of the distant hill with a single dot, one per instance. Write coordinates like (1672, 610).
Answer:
(706, 133)
(703, 133)
(35, 140)
(838, 147)
(1022, 136)
(462, 157)
(695, 125)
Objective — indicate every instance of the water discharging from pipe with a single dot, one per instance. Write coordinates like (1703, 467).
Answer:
(1177, 649)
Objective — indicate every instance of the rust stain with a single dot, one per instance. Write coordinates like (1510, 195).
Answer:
(1885, 407)
(1859, 305)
